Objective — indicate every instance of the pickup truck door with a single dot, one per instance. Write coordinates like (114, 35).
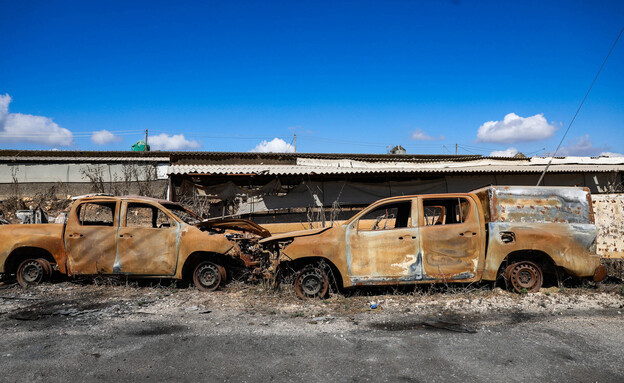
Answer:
(147, 241)
(90, 237)
(451, 236)
(382, 245)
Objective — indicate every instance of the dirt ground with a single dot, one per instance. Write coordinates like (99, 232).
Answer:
(103, 330)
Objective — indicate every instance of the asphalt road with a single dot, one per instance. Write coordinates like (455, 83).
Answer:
(230, 345)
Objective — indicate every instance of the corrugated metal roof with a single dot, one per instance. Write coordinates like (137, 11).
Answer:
(194, 157)
(84, 159)
(12, 153)
(303, 169)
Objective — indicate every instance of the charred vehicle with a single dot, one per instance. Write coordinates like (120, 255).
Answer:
(515, 233)
(131, 236)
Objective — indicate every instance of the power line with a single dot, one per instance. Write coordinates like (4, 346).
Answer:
(579, 108)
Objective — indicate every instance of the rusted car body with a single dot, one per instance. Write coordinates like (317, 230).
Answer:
(514, 232)
(131, 236)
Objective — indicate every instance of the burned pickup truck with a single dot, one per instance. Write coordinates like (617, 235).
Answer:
(134, 237)
(513, 233)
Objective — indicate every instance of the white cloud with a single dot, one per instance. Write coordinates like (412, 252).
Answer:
(103, 137)
(611, 154)
(276, 145)
(17, 127)
(581, 146)
(420, 135)
(509, 152)
(164, 141)
(514, 128)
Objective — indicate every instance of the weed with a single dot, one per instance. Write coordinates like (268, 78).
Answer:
(524, 291)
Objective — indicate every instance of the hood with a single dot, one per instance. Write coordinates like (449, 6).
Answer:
(293, 234)
(235, 224)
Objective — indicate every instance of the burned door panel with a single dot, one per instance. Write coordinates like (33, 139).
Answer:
(382, 245)
(147, 243)
(91, 238)
(450, 235)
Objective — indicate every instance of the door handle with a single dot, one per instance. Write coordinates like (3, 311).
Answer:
(76, 235)
(468, 233)
(126, 236)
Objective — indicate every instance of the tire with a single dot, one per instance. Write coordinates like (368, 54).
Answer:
(47, 267)
(223, 273)
(207, 276)
(31, 272)
(525, 276)
(311, 282)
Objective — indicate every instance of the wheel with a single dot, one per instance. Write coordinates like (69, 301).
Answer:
(207, 276)
(47, 267)
(507, 272)
(30, 272)
(527, 276)
(507, 276)
(223, 273)
(311, 282)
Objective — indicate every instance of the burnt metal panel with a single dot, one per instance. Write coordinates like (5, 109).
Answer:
(572, 246)
(540, 204)
(48, 237)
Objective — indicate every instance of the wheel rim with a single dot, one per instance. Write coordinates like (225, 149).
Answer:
(527, 276)
(311, 283)
(30, 272)
(207, 276)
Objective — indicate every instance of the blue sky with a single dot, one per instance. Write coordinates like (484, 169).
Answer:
(345, 76)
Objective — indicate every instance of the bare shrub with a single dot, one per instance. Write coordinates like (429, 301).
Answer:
(15, 182)
(95, 174)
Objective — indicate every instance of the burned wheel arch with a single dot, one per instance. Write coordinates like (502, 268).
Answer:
(22, 253)
(544, 261)
(289, 269)
(200, 256)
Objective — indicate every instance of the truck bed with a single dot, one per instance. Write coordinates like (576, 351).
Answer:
(524, 204)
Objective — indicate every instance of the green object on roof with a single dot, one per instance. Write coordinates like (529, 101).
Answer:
(140, 146)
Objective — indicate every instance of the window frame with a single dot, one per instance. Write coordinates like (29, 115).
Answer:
(81, 206)
(458, 204)
(410, 218)
(127, 204)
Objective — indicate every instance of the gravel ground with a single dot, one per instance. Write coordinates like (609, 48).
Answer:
(106, 331)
